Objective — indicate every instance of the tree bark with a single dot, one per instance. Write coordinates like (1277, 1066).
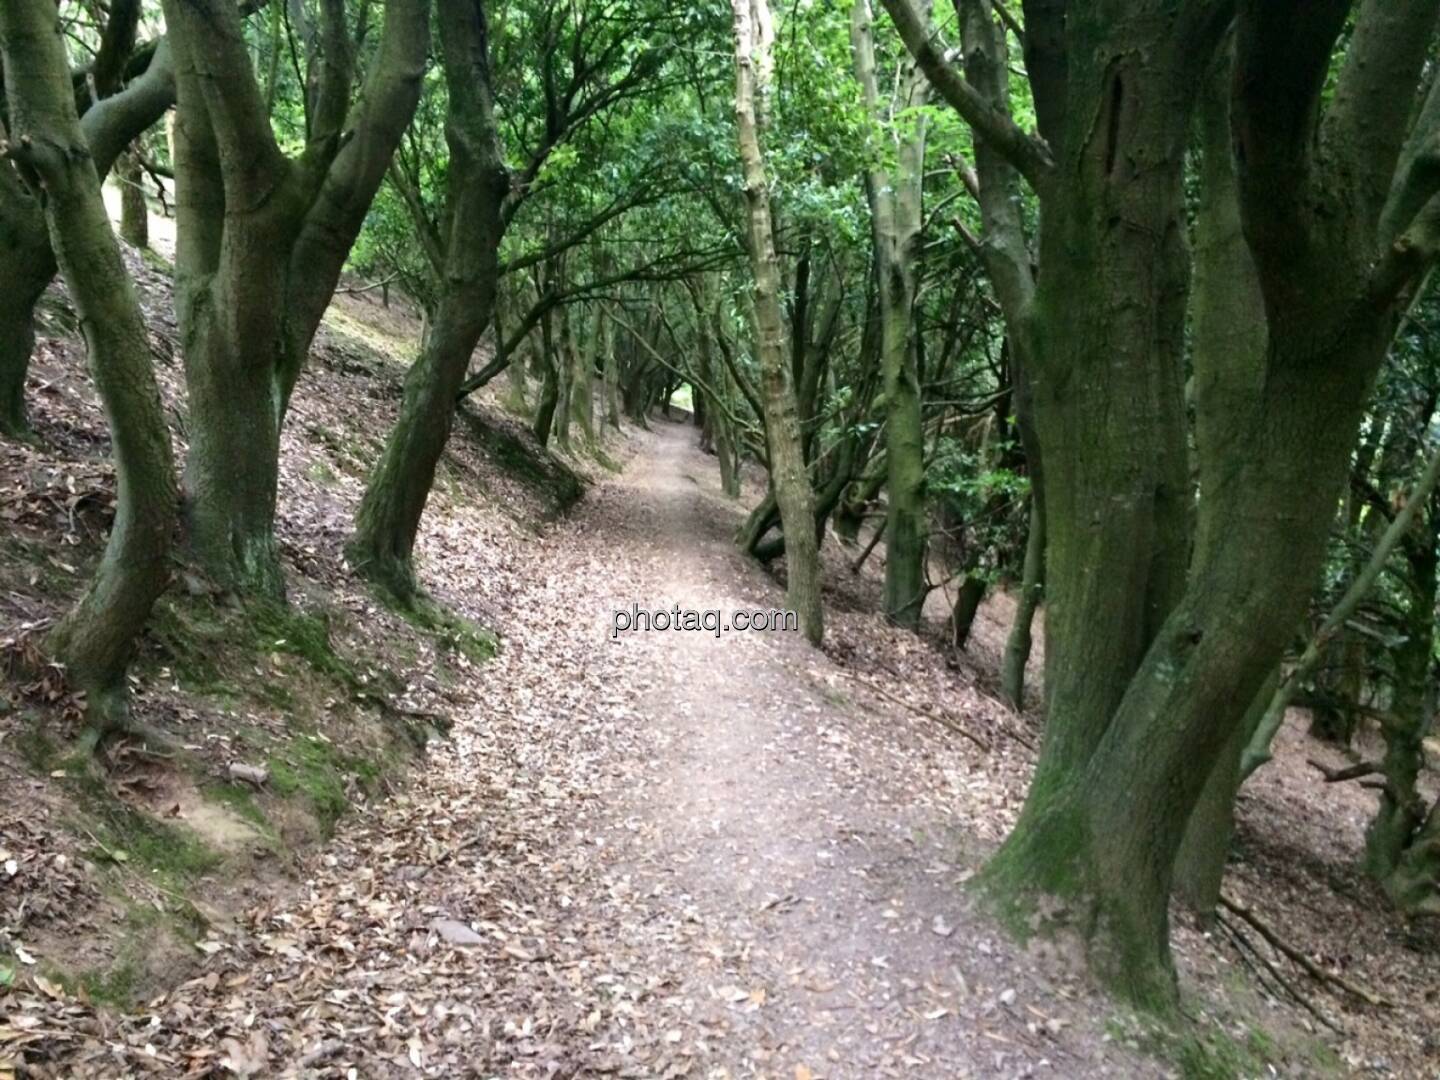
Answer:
(1334, 280)
(753, 36)
(1032, 587)
(967, 605)
(1102, 338)
(95, 640)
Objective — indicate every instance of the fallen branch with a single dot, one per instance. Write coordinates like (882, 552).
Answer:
(1246, 950)
(1350, 772)
(939, 718)
(356, 290)
(1315, 971)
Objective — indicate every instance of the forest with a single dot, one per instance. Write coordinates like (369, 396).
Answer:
(1063, 377)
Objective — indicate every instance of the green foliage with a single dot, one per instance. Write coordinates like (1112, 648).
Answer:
(981, 499)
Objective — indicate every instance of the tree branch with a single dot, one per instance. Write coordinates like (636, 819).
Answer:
(1371, 111)
(1027, 153)
(112, 123)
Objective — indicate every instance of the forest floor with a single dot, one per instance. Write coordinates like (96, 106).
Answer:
(667, 854)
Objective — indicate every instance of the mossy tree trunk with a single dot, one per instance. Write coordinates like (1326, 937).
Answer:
(753, 66)
(1228, 341)
(1145, 677)
(1336, 219)
(388, 521)
(255, 274)
(896, 223)
(95, 640)
(996, 186)
(1032, 586)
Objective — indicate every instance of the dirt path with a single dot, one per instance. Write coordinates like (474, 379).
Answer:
(665, 855)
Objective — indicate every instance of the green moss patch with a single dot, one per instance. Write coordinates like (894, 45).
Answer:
(313, 768)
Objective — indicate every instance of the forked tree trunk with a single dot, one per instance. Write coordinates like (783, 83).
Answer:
(1112, 231)
(95, 640)
(388, 520)
(254, 275)
(1338, 255)
(753, 36)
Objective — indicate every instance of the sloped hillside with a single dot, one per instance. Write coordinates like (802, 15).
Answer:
(114, 866)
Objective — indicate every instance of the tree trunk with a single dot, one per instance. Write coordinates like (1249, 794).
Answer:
(1032, 587)
(764, 517)
(896, 225)
(611, 357)
(967, 605)
(134, 214)
(582, 383)
(1102, 338)
(26, 266)
(1401, 813)
(27, 262)
(95, 640)
(549, 402)
(1200, 862)
(388, 521)
(753, 36)
(514, 368)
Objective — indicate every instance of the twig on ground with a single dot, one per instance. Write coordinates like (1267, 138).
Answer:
(939, 718)
(1315, 971)
(1246, 949)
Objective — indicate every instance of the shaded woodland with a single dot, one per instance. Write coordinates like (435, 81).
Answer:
(1090, 349)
